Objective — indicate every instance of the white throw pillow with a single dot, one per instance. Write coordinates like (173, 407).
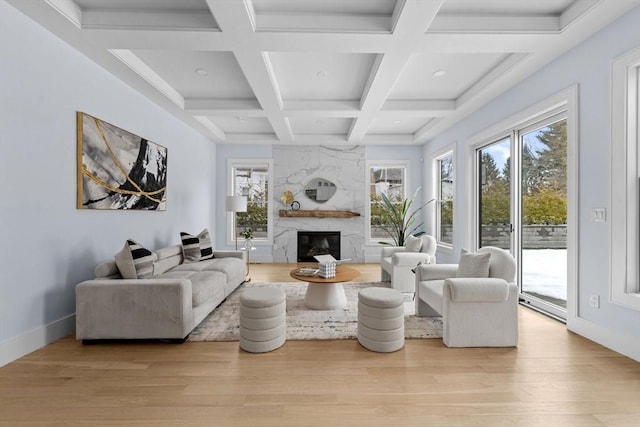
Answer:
(473, 265)
(412, 243)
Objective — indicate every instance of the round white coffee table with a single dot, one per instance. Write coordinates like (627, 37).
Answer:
(326, 294)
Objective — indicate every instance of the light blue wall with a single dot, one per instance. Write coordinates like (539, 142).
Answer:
(49, 246)
(589, 66)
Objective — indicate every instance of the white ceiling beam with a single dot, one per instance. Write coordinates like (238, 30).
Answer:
(212, 40)
(224, 107)
(148, 20)
(418, 107)
(575, 11)
(217, 133)
(382, 139)
(236, 22)
(316, 139)
(313, 108)
(291, 22)
(143, 70)
(413, 19)
(69, 9)
(494, 24)
(252, 138)
(423, 133)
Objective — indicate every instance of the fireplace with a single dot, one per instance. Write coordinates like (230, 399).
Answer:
(311, 243)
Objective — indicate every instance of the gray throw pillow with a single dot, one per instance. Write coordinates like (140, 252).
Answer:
(473, 265)
(412, 243)
(196, 248)
(134, 261)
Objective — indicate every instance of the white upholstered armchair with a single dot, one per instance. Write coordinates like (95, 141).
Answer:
(396, 262)
(476, 311)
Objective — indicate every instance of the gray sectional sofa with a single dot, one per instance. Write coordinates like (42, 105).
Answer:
(168, 305)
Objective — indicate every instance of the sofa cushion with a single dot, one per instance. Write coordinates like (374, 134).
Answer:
(204, 285)
(134, 261)
(473, 265)
(413, 243)
(228, 266)
(196, 248)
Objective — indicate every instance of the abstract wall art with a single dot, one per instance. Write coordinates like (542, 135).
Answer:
(117, 169)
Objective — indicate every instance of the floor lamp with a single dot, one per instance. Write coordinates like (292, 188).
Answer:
(236, 204)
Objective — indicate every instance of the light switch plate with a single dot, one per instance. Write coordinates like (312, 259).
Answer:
(598, 215)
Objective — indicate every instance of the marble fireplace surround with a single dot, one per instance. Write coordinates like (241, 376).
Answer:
(294, 166)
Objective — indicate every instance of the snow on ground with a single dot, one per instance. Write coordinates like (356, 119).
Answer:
(544, 272)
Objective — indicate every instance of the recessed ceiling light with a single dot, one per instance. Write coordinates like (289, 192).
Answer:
(396, 122)
(201, 72)
(321, 74)
(241, 119)
(439, 73)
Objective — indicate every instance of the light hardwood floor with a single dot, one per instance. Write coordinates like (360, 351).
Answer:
(553, 378)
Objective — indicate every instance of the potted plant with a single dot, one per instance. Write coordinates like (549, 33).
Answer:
(247, 233)
(399, 220)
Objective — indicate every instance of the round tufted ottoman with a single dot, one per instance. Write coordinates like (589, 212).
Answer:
(381, 319)
(262, 319)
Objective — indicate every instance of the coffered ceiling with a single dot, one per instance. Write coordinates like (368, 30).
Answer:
(322, 71)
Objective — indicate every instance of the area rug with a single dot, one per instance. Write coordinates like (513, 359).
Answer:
(306, 324)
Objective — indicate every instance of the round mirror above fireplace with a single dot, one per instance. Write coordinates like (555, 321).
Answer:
(320, 190)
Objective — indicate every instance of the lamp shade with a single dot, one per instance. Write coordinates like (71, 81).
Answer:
(236, 203)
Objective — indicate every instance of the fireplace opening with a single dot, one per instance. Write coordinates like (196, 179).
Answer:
(311, 243)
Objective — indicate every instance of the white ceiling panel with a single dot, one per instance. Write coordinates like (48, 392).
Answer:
(321, 76)
(325, 126)
(199, 74)
(461, 71)
(322, 71)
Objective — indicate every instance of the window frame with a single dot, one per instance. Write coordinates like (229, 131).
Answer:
(405, 186)
(232, 165)
(625, 185)
(437, 231)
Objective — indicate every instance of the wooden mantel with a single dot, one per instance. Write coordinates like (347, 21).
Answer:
(318, 214)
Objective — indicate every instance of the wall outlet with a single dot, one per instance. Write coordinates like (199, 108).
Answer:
(594, 301)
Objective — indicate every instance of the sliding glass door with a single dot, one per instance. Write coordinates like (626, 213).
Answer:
(543, 215)
(522, 207)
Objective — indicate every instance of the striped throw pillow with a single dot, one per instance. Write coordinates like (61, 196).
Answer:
(196, 248)
(134, 261)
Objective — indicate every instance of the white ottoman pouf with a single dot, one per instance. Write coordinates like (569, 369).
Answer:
(381, 319)
(262, 319)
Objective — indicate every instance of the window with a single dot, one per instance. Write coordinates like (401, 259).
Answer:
(444, 209)
(625, 181)
(251, 179)
(389, 178)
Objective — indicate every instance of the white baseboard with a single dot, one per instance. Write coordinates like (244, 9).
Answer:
(24, 344)
(614, 340)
